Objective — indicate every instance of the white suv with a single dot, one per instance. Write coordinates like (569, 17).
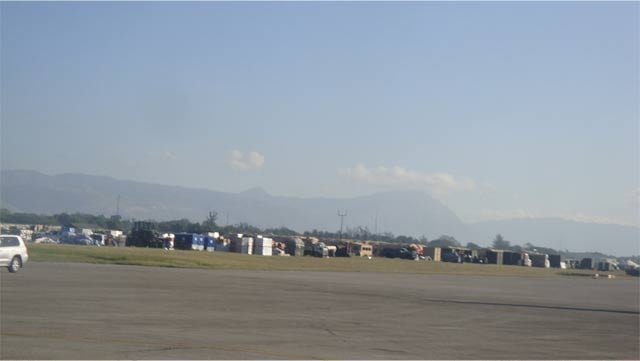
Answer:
(13, 252)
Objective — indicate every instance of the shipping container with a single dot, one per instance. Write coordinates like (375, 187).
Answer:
(246, 245)
(539, 260)
(209, 243)
(434, 252)
(294, 246)
(263, 246)
(191, 241)
(608, 266)
(235, 245)
(554, 260)
(587, 263)
(494, 256)
(223, 244)
(511, 258)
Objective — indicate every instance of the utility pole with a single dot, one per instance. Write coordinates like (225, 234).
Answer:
(118, 206)
(342, 215)
(227, 218)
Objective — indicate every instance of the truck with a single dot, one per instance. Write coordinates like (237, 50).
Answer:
(143, 234)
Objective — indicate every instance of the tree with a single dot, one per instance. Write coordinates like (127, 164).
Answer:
(195, 228)
(281, 231)
(209, 224)
(114, 222)
(4, 214)
(472, 245)
(246, 228)
(444, 241)
(500, 243)
(387, 236)
(358, 232)
(405, 239)
(63, 219)
(177, 226)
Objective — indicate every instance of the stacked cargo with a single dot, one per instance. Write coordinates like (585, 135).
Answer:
(511, 258)
(587, 263)
(210, 241)
(199, 241)
(540, 260)
(435, 253)
(608, 265)
(494, 256)
(320, 250)
(235, 244)
(555, 260)
(246, 245)
(168, 241)
(263, 246)
(294, 246)
(191, 241)
(223, 244)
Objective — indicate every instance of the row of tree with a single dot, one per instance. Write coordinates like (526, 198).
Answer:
(363, 234)
(61, 219)
(209, 224)
(84, 220)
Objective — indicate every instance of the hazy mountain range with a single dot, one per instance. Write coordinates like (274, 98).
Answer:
(411, 213)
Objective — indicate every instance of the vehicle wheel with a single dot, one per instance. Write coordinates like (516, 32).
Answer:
(15, 264)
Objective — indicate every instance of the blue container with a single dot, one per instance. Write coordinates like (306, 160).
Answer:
(192, 241)
(209, 243)
(199, 241)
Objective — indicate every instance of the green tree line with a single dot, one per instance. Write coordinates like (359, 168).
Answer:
(62, 219)
(209, 225)
(185, 225)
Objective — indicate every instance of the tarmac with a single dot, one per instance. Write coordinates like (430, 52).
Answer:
(84, 311)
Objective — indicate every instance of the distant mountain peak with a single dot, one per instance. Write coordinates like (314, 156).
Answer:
(408, 212)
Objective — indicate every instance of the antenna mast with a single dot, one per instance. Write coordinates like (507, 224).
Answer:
(341, 214)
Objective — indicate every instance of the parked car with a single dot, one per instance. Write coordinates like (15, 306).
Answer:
(13, 252)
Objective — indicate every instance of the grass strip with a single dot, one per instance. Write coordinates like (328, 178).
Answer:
(226, 260)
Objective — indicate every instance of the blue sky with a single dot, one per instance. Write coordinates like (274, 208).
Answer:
(499, 110)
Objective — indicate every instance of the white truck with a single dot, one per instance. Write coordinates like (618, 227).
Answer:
(13, 252)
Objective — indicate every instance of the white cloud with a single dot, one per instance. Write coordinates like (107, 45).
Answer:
(245, 162)
(169, 156)
(580, 217)
(497, 214)
(438, 183)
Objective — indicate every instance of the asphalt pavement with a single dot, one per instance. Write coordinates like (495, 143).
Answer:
(83, 311)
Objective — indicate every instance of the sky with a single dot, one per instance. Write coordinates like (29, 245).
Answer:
(499, 110)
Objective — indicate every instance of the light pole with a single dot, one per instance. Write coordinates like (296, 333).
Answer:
(342, 215)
